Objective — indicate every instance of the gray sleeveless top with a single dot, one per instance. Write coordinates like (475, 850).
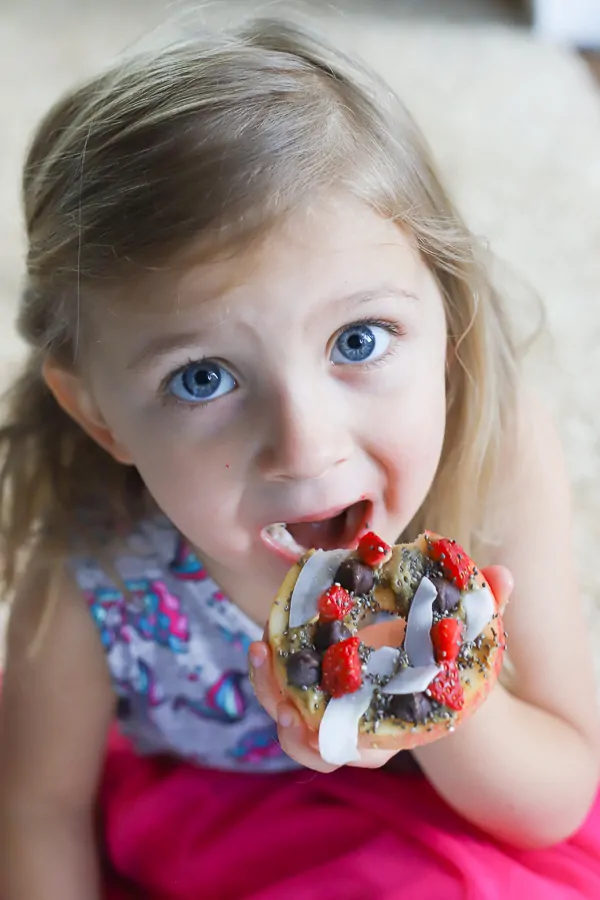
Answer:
(177, 653)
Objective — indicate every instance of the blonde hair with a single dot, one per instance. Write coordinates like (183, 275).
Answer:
(219, 137)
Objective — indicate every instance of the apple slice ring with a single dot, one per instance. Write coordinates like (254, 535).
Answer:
(385, 647)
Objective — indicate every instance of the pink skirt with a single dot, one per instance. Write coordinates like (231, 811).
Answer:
(173, 831)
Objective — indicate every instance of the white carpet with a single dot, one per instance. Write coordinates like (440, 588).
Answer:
(516, 129)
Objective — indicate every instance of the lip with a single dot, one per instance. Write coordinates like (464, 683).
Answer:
(290, 556)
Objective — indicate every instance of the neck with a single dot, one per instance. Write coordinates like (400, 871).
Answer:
(253, 596)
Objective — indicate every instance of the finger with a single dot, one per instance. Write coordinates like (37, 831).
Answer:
(295, 740)
(370, 758)
(373, 759)
(263, 680)
(502, 583)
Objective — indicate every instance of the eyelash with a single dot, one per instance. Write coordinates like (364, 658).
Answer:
(395, 330)
(169, 400)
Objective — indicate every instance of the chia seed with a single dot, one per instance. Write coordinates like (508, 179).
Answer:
(364, 652)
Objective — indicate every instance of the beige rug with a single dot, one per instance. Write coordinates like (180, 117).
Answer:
(515, 126)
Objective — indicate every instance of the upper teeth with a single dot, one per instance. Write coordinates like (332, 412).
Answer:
(279, 533)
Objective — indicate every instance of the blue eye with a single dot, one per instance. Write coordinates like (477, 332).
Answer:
(199, 382)
(361, 343)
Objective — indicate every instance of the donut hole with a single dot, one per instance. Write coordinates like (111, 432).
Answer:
(387, 633)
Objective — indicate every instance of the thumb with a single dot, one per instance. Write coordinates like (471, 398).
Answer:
(501, 582)
(262, 677)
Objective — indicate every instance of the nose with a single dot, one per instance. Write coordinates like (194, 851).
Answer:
(305, 436)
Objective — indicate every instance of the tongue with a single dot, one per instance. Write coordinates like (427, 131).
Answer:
(325, 535)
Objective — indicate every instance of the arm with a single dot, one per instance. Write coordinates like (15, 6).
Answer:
(525, 766)
(55, 710)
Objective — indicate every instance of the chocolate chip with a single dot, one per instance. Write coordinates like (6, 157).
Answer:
(328, 633)
(447, 596)
(411, 707)
(355, 576)
(304, 668)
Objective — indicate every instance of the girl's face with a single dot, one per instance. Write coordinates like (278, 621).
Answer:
(292, 396)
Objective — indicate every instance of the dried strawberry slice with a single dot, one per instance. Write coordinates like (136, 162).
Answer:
(342, 668)
(456, 565)
(334, 604)
(372, 550)
(446, 637)
(446, 688)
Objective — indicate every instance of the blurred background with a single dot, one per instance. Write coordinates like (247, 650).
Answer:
(507, 95)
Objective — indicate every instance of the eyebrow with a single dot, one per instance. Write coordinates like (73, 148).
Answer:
(162, 345)
(378, 293)
(166, 344)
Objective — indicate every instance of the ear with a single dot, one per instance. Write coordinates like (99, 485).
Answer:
(72, 394)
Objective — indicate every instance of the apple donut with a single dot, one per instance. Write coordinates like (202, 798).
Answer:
(385, 647)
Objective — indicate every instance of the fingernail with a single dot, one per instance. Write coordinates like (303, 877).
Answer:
(285, 718)
(257, 658)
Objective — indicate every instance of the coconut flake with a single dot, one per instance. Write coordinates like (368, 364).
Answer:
(315, 578)
(479, 608)
(411, 680)
(418, 644)
(382, 662)
(338, 732)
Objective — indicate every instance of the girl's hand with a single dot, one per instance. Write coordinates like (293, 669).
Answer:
(296, 739)
(502, 584)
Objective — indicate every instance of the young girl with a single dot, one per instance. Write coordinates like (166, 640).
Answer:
(257, 322)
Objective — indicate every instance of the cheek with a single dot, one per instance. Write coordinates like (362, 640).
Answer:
(413, 437)
(197, 483)
(163, 444)
(409, 429)
(196, 486)
(170, 453)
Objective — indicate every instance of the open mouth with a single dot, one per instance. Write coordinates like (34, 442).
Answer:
(337, 529)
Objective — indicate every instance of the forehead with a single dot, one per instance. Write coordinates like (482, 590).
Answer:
(321, 254)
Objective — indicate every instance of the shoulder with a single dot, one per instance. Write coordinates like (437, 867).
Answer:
(57, 700)
(46, 597)
(548, 631)
(150, 548)
(538, 445)
(533, 474)
(50, 627)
